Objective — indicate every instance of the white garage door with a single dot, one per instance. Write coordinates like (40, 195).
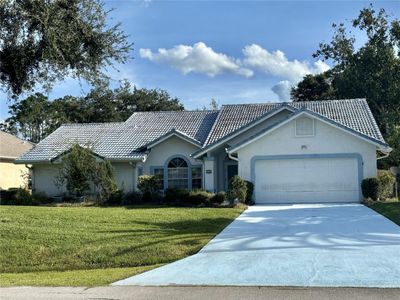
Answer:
(306, 180)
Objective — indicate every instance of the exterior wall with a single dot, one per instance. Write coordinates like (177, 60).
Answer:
(125, 176)
(170, 147)
(43, 177)
(161, 154)
(327, 140)
(11, 175)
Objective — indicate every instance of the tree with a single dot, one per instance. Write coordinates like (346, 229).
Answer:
(30, 118)
(77, 170)
(371, 71)
(36, 116)
(42, 41)
(314, 87)
(80, 168)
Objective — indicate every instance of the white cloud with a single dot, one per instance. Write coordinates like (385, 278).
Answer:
(198, 58)
(276, 64)
(282, 89)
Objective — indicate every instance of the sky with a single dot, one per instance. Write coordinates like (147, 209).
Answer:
(230, 51)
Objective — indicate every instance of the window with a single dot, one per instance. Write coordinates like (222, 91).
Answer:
(159, 172)
(196, 178)
(140, 171)
(304, 126)
(178, 174)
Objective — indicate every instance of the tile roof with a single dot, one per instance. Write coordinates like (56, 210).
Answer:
(12, 147)
(124, 140)
(127, 140)
(352, 113)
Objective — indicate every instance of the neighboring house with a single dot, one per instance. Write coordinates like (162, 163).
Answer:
(11, 147)
(293, 152)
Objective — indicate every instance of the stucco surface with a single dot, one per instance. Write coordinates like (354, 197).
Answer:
(327, 245)
(327, 140)
(11, 175)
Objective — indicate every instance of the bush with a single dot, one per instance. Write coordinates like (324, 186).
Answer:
(249, 192)
(132, 198)
(218, 198)
(16, 196)
(199, 197)
(148, 185)
(40, 198)
(370, 188)
(115, 198)
(386, 182)
(176, 196)
(237, 189)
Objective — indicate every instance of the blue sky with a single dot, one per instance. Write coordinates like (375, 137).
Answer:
(234, 52)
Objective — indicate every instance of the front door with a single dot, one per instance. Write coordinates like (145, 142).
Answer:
(230, 171)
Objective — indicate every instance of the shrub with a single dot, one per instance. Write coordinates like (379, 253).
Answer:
(176, 196)
(16, 196)
(249, 191)
(115, 198)
(198, 197)
(132, 198)
(148, 185)
(218, 198)
(237, 189)
(8, 197)
(104, 180)
(370, 188)
(386, 182)
(40, 198)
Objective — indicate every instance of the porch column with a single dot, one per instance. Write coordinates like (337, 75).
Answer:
(209, 173)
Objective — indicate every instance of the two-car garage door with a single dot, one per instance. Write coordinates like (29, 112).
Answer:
(306, 180)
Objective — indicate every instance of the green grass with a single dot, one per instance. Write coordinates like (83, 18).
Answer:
(390, 209)
(99, 241)
(94, 277)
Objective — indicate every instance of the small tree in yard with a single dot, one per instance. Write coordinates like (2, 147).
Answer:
(237, 189)
(149, 186)
(104, 180)
(80, 168)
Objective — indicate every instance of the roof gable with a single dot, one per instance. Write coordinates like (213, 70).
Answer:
(304, 111)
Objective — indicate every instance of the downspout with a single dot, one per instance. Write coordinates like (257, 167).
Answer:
(385, 154)
(230, 155)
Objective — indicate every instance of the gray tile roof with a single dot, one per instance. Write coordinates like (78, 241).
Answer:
(127, 140)
(354, 113)
(123, 140)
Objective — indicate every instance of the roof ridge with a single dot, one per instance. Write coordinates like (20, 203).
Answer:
(291, 102)
(213, 126)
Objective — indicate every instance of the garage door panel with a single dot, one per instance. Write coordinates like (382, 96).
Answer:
(306, 180)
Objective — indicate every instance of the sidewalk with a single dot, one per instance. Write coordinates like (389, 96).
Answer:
(195, 292)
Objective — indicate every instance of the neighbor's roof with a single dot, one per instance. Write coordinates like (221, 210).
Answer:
(12, 147)
(128, 140)
(354, 113)
(124, 140)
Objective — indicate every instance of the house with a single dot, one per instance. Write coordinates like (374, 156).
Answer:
(315, 151)
(11, 147)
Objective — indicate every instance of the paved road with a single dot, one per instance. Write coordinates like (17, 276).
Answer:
(197, 293)
(320, 245)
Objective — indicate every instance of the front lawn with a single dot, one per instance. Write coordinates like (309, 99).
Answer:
(390, 209)
(104, 244)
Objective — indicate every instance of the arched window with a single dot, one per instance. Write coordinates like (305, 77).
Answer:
(178, 173)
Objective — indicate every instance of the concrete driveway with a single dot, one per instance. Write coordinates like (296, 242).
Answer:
(325, 245)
